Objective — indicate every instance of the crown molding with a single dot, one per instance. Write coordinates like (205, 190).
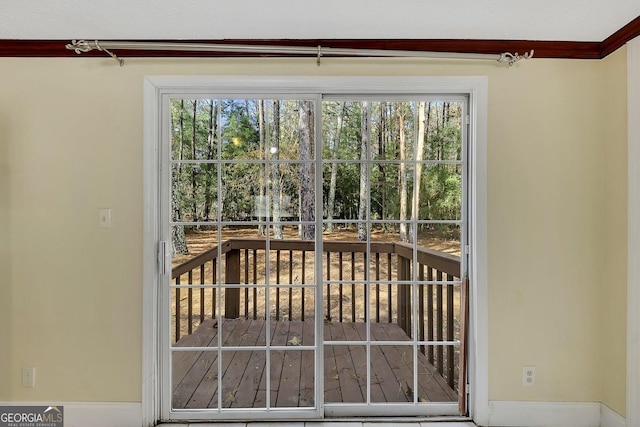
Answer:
(543, 49)
(621, 37)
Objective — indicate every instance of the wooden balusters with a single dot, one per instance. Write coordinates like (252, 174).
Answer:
(214, 279)
(304, 258)
(190, 303)
(232, 277)
(436, 302)
(439, 325)
(450, 334)
(340, 277)
(291, 283)
(178, 311)
(277, 285)
(255, 281)
(328, 303)
(202, 293)
(430, 314)
(353, 287)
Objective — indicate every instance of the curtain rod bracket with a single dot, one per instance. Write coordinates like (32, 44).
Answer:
(512, 58)
(111, 54)
(83, 46)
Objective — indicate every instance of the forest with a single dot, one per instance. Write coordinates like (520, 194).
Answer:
(388, 166)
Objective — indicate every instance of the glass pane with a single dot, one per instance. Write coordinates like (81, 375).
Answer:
(391, 191)
(399, 329)
(440, 195)
(443, 238)
(439, 312)
(241, 194)
(292, 304)
(194, 129)
(392, 131)
(341, 182)
(345, 302)
(193, 321)
(241, 381)
(242, 332)
(293, 333)
(437, 383)
(443, 130)
(189, 241)
(382, 306)
(297, 191)
(383, 256)
(342, 130)
(194, 379)
(285, 264)
(240, 129)
(291, 135)
(194, 194)
(345, 373)
(392, 371)
(292, 378)
(345, 261)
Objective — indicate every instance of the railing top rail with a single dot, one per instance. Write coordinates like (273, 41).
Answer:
(309, 245)
(196, 261)
(441, 261)
(447, 263)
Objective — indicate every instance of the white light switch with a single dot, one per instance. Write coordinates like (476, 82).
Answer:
(104, 218)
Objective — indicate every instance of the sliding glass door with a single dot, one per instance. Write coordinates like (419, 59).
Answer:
(312, 250)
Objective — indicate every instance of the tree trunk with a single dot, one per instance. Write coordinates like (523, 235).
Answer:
(194, 185)
(307, 190)
(403, 179)
(419, 155)
(331, 200)
(261, 205)
(276, 190)
(213, 124)
(382, 136)
(178, 241)
(364, 171)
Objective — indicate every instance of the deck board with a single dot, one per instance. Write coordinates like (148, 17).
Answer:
(243, 372)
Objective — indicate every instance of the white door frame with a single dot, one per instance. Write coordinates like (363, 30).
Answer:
(475, 87)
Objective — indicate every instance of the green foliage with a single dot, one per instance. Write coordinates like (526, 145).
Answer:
(229, 130)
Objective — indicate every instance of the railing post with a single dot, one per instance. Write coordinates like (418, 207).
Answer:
(232, 276)
(404, 295)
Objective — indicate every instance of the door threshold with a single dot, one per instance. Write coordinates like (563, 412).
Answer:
(335, 422)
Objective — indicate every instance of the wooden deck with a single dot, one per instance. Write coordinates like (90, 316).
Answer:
(195, 374)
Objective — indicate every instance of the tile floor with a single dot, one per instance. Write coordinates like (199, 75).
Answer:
(328, 424)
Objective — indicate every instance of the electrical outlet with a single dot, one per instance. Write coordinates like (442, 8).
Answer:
(529, 376)
(29, 377)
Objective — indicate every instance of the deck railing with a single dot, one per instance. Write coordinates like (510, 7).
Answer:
(243, 271)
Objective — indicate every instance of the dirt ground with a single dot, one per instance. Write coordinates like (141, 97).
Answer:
(201, 240)
(346, 301)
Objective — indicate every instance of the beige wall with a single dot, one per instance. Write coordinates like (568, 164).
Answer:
(71, 134)
(5, 260)
(613, 287)
(544, 239)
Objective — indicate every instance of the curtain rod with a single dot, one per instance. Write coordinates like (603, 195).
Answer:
(82, 46)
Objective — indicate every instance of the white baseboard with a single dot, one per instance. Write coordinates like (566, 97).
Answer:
(501, 413)
(610, 418)
(94, 414)
(544, 414)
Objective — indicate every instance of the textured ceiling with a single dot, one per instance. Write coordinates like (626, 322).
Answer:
(561, 20)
